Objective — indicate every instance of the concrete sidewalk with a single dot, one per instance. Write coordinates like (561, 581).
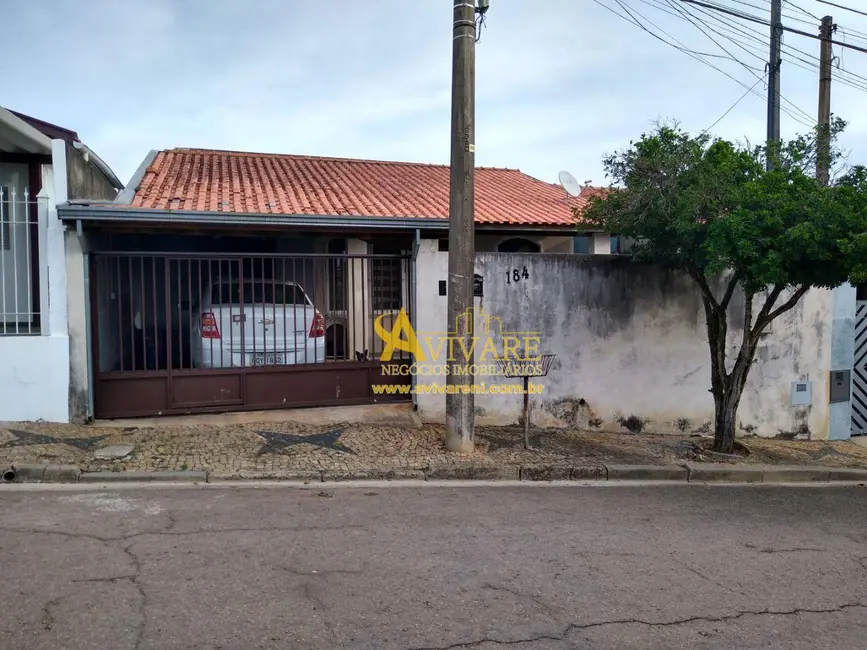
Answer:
(398, 447)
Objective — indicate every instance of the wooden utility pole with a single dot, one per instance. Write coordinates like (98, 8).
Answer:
(774, 64)
(823, 159)
(460, 402)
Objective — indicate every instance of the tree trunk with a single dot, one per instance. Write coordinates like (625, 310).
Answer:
(727, 400)
(726, 411)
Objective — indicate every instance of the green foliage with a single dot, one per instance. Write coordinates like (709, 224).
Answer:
(705, 206)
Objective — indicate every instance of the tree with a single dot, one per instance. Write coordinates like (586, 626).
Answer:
(708, 208)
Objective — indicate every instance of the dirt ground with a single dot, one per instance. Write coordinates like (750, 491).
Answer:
(271, 448)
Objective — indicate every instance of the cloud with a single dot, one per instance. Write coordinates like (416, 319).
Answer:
(557, 86)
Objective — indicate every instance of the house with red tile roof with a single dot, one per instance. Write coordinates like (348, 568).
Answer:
(186, 262)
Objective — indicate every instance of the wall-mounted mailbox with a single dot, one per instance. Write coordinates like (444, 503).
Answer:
(840, 385)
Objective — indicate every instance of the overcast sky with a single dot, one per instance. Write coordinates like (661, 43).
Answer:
(559, 84)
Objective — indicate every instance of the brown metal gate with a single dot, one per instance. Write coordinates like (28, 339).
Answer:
(189, 333)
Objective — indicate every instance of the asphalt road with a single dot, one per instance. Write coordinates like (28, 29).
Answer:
(435, 567)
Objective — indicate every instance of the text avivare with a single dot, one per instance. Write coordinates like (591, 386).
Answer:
(520, 347)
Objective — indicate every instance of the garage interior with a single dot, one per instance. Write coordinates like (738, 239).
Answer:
(194, 323)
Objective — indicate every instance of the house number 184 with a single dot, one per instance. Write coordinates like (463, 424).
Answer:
(515, 275)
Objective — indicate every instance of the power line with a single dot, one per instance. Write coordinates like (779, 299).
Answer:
(755, 19)
(685, 50)
(834, 4)
(732, 107)
(688, 15)
(853, 80)
(680, 46)
(801, 9)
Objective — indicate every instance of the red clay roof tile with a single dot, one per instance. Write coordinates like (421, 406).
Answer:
(229, 181)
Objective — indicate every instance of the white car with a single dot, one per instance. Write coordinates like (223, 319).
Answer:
(258, 322)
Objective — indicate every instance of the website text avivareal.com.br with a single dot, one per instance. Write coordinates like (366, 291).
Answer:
(516, 356)
(466, 389)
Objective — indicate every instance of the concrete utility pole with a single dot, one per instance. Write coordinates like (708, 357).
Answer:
(823, 159)
(774, 62)
(462, 251)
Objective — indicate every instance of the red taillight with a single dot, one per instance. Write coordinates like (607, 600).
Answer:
(317, 328)
(209, 327)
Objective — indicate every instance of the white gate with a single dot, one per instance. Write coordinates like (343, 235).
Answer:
(859, 371)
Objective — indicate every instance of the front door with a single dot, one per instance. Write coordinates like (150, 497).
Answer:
(16, 296)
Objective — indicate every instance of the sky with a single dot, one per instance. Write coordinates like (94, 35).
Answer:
(558, 85)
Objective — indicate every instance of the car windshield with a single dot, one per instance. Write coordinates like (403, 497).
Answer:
(258, 292)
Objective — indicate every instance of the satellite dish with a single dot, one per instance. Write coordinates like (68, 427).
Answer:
(569, 184)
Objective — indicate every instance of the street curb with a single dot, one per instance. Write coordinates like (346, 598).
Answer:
(546, 473)
(183, 476)
(473, 473)
(29, 472)
(647, 472)
(330, 476)
(847, 474)
(688, 472)
(795, 474)
(713, 473)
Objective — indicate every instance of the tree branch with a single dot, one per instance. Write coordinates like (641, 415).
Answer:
(761, 319)
(786, 306)
(706, 293)
(730, 291)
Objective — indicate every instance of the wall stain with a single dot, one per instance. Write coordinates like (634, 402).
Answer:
(633, 423)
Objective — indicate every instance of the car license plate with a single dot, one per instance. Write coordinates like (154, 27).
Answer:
(268, 360)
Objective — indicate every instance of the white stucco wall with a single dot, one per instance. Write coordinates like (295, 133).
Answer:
(34, 370)
(631, 346)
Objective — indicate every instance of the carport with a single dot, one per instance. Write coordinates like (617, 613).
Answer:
(222, 318)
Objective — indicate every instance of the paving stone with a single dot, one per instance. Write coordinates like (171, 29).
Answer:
(113, 452)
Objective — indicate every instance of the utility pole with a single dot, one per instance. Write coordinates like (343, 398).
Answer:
(774, 63)
(823, 159)
(460, 401)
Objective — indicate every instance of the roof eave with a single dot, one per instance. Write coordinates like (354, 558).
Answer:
(125, 213)
(34, 141)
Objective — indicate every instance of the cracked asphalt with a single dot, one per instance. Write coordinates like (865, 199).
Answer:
(435, 567)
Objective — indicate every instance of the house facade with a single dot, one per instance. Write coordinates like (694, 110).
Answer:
(182, 269)
(223, 281)
(41, 165)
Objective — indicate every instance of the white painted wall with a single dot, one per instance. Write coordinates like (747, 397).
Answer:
(630, 342)
(34, 371)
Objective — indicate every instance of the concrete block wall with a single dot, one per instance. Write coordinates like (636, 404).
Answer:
(631, 346)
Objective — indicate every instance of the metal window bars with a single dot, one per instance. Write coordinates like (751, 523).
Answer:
(19, 265)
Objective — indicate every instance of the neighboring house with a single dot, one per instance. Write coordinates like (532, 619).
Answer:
(40, 165)
(191, 269)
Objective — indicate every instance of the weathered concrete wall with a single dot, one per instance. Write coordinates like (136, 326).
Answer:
(631, 346)
(84, 179)
(79, 387)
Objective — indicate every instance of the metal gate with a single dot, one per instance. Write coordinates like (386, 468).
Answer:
(859, 371)
(189, 333)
